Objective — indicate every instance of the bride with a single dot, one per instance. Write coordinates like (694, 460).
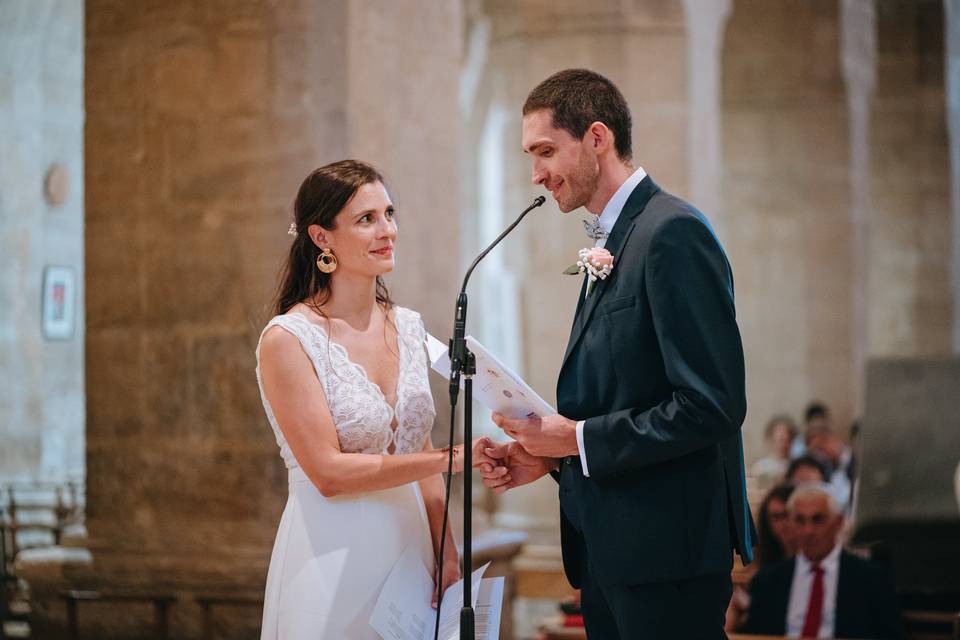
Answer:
(343, 378)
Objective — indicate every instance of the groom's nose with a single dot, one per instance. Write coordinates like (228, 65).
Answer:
(540, 174)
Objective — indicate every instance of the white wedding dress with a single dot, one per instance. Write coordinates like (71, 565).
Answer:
(332, 555)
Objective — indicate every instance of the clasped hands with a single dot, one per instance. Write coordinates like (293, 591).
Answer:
(537, 445)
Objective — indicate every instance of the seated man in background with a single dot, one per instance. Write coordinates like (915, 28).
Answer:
(824, 592)
(807, 469)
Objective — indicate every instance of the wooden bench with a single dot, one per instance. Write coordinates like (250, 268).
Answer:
(208, 602)
(161, 604)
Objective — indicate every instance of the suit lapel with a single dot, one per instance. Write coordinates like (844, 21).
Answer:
(618, 237)
(583, 295)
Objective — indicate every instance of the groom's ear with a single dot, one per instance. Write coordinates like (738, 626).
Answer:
(599, 137)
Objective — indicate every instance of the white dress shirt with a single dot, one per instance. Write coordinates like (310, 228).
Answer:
(607, 218)
(800, 594)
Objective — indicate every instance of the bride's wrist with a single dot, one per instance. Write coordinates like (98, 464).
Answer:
(444, 458)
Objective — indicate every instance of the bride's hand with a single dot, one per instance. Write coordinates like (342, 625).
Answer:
(477, 449)
(457, 458)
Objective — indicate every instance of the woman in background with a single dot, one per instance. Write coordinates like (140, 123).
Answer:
(775, 542)
(779, 435)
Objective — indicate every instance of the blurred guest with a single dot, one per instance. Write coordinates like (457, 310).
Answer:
(775, 535)
(817, 417)
(825, 444)
(823, 592)
(807, 469)
(775, 542)
(778, 435)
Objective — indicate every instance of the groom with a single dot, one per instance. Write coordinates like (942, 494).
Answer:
(647, 447)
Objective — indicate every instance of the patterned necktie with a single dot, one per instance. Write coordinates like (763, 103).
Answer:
(594, 230)
(811, 623)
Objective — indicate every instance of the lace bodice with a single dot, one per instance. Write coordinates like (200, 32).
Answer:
(361, 414)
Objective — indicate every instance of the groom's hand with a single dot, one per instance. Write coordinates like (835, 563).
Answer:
(551, 436)
(505, 465)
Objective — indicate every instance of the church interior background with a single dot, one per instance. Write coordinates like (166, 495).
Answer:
(149, 155)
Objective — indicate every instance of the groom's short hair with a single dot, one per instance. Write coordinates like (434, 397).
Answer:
(580, 97)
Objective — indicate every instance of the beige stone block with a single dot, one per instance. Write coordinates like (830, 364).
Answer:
(112, 19)
(819, 138)
(169, 406)
(114, 151)
(189, 277)
(223, 14)
(748, 134)
(660, 135)
(114, 77)
(115, 376)
(113, 263)
(179, 77)
(294, 73)
(669, 84)
(225, 392)
(240, 80)
(262, 248)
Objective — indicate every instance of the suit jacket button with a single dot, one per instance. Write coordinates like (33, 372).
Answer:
(568, 460)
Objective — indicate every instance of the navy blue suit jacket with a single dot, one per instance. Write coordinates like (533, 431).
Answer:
(655, 366)
(866, 600)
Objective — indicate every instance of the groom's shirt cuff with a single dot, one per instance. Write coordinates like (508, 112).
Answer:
(583, 452)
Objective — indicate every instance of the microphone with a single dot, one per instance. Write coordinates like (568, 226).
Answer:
(458, 345)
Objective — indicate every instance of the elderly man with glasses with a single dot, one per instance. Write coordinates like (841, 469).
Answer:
(823, 592)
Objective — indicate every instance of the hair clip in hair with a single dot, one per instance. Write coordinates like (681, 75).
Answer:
(292, 231)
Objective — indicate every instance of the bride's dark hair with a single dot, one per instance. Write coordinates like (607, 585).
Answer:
(323, 194)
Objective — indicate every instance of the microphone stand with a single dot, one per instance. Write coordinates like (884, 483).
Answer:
(462, 362)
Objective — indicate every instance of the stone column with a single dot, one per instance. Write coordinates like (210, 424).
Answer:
(858, 42)
(951, 9)
(706, 21)
(786, 201)
(203, 119)
(911, 298)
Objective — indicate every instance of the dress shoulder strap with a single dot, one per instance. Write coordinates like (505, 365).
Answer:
(312, 337)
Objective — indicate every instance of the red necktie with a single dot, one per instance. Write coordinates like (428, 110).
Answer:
(811, 623)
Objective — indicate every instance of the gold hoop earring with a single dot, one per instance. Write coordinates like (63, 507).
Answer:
(326, 261)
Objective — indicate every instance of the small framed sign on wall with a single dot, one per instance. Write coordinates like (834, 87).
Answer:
(59, 302)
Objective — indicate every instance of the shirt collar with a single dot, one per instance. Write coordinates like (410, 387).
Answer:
(830, 564)
(608, 217)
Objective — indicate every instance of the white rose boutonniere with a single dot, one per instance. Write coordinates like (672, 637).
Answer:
(597, 262)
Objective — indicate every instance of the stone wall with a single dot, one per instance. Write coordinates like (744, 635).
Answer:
(41, 125)
(787, 198)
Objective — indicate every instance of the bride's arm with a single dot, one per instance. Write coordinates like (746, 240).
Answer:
(301, 410)
(433, 491)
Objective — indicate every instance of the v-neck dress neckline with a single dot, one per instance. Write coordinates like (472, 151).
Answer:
(363, 371)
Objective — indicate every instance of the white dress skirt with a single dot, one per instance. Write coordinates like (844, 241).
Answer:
(332, 555)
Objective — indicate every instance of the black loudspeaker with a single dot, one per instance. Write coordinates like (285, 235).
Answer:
(906, 505)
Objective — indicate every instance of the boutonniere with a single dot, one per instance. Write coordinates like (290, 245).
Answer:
(597, 262)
